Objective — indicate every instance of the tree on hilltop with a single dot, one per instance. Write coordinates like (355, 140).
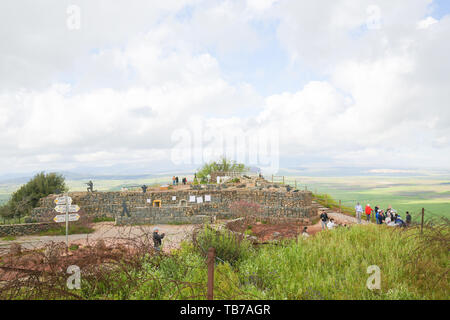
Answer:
(223, 165)
(27, 196)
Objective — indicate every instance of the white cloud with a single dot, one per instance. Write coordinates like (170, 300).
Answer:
(426, 23)
(115, 92)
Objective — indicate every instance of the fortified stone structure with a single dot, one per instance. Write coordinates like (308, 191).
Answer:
(194, 205)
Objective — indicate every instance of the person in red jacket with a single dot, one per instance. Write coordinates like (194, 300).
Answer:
(369, 210)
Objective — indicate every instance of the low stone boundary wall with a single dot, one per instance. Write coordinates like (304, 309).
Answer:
(25, 228)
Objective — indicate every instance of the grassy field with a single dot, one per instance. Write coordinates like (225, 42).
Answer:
(335, 264)
(403, 193)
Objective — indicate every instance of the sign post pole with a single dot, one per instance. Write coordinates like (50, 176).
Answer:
(67, 222)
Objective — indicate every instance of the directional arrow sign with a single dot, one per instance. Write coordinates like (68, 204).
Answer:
(62, 208)
(62, 200)
(62, 217)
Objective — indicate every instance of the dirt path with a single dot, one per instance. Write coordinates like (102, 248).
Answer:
(107, 231)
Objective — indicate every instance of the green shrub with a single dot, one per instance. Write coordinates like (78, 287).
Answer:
(229, 246)
(74, 247)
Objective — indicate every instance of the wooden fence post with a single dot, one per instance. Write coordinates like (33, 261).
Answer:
(283, 179)
(326, 200)
(421, 225)
(295, 184)
(272, 178)
(210, 262)
(340, 206)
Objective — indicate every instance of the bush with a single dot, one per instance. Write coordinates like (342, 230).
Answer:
(230, 247)
(224, 165)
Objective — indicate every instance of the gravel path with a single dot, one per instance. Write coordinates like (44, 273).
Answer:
(107, 231)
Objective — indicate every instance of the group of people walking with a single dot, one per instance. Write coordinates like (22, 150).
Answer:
(175, 181)
(389, 216)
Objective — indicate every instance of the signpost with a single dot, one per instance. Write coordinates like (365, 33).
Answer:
(71, 208)
(64, 205)
(63, 200)
(62, 217)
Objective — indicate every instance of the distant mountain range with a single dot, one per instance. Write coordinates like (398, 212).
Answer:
(122, 174)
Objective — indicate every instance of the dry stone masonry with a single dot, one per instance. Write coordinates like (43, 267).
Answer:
(194, 205)
(25, 229)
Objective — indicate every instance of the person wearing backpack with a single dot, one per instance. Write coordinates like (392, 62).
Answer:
(323, 220)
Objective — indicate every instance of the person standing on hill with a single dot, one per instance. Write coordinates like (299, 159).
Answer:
(157, 239)
(359, 211)
(408, 219)
(369, 211)
(382, 216)
(375, 210)
(323, 220)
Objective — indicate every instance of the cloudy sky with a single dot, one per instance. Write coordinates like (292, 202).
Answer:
(96, 83)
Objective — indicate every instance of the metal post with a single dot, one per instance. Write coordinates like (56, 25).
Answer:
(67, 221)
(210, 262)
(421, 225)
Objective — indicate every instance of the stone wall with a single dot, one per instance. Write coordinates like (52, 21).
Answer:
(176, 205)
(25, 229)
(162, 216)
